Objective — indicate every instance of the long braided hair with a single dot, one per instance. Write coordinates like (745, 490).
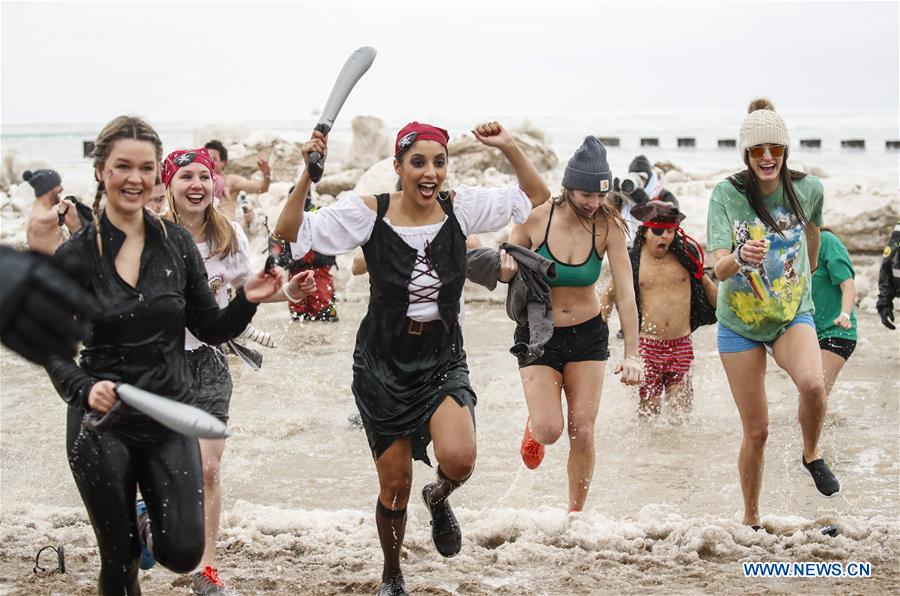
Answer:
(121, 127)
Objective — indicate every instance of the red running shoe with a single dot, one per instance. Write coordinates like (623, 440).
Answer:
(207, 583)
(532, 452)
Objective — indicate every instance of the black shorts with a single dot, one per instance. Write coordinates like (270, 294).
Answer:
(578, 343)
(838, 345)
(212, 381)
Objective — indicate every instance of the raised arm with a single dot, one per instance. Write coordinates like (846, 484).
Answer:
(530, 180)
(291, 216)
(239, 183)
(70, 215)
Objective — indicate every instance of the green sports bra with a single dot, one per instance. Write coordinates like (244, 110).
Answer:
(585, 274)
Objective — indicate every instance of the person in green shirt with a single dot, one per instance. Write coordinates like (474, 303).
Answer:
(763, 232)
(834, 293)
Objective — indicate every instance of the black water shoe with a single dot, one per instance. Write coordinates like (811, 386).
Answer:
(393, 586)
(827, 485)
(444, 528)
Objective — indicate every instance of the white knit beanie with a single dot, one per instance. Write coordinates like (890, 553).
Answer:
(763, 125)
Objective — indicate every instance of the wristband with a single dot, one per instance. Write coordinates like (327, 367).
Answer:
(284, 290)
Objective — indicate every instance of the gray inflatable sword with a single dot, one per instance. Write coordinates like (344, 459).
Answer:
(182, 418)
(354, 68)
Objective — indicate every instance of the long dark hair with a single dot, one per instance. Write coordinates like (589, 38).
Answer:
(747, 184)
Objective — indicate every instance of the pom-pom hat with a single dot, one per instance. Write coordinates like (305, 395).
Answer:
(762, 125)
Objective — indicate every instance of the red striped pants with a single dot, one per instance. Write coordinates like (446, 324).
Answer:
(666, 362)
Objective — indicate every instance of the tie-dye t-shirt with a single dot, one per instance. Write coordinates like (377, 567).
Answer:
(759, 304)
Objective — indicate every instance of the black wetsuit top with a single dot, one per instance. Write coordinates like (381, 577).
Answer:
(139, 337)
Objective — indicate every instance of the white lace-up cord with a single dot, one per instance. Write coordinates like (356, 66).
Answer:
(260, 337)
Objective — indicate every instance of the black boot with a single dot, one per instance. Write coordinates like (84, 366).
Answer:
(393, 586)
(444, 528)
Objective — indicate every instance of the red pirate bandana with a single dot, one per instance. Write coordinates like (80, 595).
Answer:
(414, 131)
(178, 159)
(661, 215)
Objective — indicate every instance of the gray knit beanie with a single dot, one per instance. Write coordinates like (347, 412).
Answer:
(43, 181)
(763, 125)
(588, 169)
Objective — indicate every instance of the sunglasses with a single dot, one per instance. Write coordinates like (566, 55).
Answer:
(759, 150)
(659, 231)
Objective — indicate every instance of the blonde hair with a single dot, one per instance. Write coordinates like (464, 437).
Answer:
(217, 229)
(121, 127)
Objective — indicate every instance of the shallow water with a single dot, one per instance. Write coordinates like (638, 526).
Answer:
(663, 515)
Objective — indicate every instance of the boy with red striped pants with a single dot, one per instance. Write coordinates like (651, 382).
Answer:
(674, 297)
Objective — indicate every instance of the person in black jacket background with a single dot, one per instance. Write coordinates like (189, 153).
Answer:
(38, 303)
(889, 280)
(150, 282)
(650, 186)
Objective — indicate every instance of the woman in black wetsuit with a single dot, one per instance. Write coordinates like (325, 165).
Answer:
(150, 281)
(410, 377)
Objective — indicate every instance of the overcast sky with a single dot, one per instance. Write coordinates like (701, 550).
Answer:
(214, 61)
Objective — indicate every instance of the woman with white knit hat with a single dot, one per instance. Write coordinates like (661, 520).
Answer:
(763, 232)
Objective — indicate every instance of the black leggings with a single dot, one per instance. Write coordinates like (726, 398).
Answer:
(106, 468)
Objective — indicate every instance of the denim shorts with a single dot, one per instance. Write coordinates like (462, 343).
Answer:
(729, 341)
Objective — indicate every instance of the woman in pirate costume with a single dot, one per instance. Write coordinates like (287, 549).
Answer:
(410, 377)
(188, 178)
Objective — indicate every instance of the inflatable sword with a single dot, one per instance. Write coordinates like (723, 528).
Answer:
(354, 68)
(182, 418)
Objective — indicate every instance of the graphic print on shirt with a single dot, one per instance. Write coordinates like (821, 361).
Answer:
(770, 290)
(215, 283)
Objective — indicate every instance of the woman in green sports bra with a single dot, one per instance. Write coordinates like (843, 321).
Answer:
(575, 230)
